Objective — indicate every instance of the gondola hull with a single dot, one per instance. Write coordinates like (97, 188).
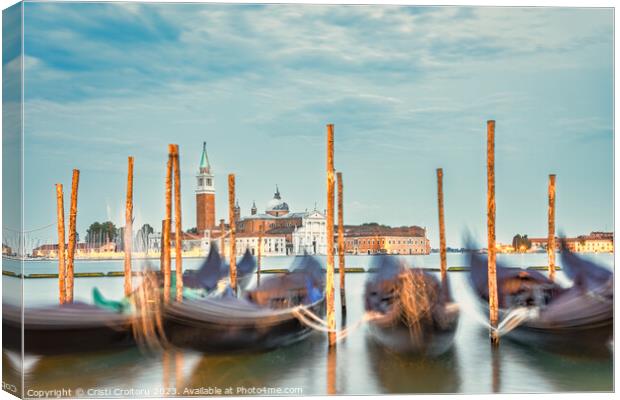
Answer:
(576, 320)
(71, 328)
(205, 326)
(429, 340)
(590, 339)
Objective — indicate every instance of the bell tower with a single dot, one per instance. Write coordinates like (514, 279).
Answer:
(205, 194)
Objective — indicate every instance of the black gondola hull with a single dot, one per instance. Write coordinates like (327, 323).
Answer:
(591, 339)
(250, 335)
(64, 330)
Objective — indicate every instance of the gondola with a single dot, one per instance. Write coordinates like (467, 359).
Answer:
(213, 270)
(67, 328)
(260, 319)
(577, 319)
(413, 312)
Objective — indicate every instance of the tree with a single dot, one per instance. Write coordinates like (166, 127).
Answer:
(99, 233)
(193, 231)
(521, 243)
(143, 236)
(146, 229)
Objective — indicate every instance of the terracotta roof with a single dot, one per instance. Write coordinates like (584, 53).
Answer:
(379, 230)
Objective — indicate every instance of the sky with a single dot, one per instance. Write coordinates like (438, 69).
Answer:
(409, 90)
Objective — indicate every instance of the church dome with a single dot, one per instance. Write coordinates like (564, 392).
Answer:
(277, 204)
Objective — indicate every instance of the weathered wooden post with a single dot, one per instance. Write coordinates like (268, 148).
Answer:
(492, 273)
(165, 236)
(127, 242)
(178, 228)
(341, 263)
(60, 216)
(442, 226)
(222, 253)
(161, 246)
(260, 253)
(551, 238)
(232, 239)
(329, 282)
(72, 229)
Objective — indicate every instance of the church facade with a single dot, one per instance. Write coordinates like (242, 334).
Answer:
(302, 231)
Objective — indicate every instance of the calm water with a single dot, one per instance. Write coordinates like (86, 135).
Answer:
(357, 367)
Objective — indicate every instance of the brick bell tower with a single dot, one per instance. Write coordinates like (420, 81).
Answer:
(205, 194)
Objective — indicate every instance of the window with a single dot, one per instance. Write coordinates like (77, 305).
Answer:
(208, 181)
(200, 181)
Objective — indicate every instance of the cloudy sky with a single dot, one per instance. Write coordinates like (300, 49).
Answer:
(409, 90)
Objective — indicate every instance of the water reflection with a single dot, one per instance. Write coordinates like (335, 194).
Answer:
(269, 369)
(361, 366)
(93, 369)
(11, 372)
(496, 374)
(397, 373)
(331, 370)
(571, 372)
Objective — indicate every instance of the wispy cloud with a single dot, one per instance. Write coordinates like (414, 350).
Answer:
(409, 89)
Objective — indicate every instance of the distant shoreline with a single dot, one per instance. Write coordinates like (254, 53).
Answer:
(95, 259)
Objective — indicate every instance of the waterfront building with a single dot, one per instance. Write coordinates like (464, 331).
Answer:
(81, 250)
(6, 250)
(380, 239)
(273, 244)
(595, 242)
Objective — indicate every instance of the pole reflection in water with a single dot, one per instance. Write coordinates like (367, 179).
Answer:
(406, 373)
(165, 361)
(331, 370)
(178, 371)
(496, 371)
(99, 369)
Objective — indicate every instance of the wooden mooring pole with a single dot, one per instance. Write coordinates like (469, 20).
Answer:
(127, 242)
(222, 252)
(442, 227)
(260, 251)
(178, 227)
(60, 216)
(161, 246)
(232, 245)
(492, 273)
(551, 238)
(329, 281)
(341, 263)
(165, 236)
(72, 230)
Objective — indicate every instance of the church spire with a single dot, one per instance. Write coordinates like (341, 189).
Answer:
(276, 195)
(204, 160)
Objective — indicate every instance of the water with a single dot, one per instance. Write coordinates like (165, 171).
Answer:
(358, 366)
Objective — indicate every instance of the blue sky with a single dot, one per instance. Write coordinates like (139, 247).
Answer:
(408, 89)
